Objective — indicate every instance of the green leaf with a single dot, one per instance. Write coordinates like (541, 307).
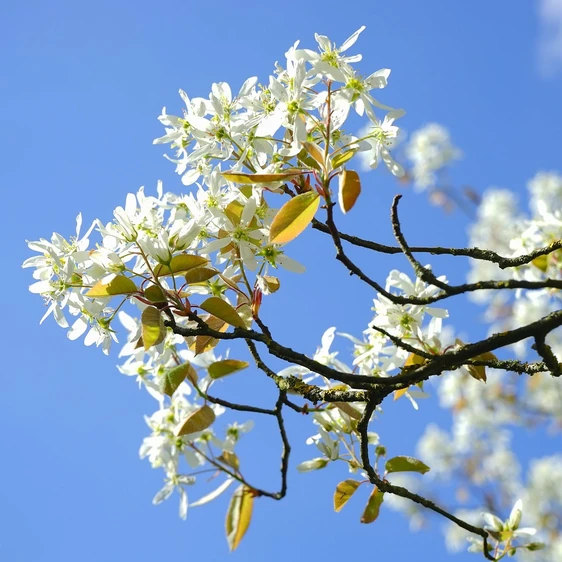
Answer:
(373, 506)
(200, 274)
(226, 367)
(119, 285)
(293, 217)
(251, 179)
(221, 309)
(238, 516)
(153, 329)
(174, 377)
(344, 491)
(197, 421)
(180, 264)
(350, 189)
(405, 464)
(155, 294)
(342, 157)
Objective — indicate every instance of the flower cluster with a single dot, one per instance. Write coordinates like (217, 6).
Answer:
(209, 254)
(430, 150)
(263, 127)
(178, 271)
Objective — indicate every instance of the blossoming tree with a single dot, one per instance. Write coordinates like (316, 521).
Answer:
(260, 167)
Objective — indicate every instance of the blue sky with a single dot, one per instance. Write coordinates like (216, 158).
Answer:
(81, 86)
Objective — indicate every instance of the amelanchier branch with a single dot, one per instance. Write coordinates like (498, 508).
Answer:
(216, 247)
(474, 253)
(446, 290)
(435, 365)
(387, 487)
(372, 392)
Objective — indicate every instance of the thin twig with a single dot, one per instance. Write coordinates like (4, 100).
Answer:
(386, 487)
(474, 253)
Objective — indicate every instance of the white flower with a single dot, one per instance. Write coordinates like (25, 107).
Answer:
(175, 482)
(330, 56)
(378, 138)
(430, 150)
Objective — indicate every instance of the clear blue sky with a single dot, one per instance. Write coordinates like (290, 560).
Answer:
(81, 85)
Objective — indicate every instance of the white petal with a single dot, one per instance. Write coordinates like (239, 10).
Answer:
(40, 287)
(59, 316)
(270, 124)
(77, 329)
(183, 504)
(214, 494)
(351, 40)
(215, 245)
(78, 225)
(328, 338)
(163, 494)
(249, 211)
(290, 264)
(391, 164)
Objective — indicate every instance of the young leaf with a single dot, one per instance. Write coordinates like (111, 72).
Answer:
(235, 209)
(251, 179)
(230, 459)
(400, 393)
(313, 464)
(293, 217)
(541, 263)
(174, 377)
(315, 152)
(344, 491)
(350, 189)
(304, 157)
(238, 516)
(180, 264)
(414, 359)
(221, 309)
(197, 421)
(478, 372)
(225, 367)
(154, 294)
(342, 157)
(373, 506)
(153, 329)
(405, 464)
(271, 284)
(204, 343)
(199, 274)
(119, 285)
(348, 409)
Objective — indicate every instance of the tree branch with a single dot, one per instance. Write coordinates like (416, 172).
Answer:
(386, 487)
(474, 253)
